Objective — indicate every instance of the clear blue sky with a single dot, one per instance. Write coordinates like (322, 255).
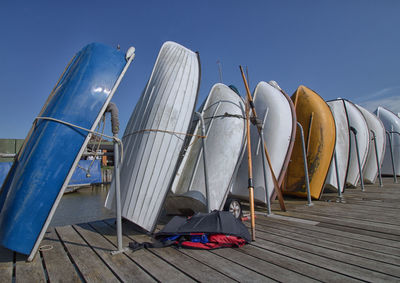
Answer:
(348, 49)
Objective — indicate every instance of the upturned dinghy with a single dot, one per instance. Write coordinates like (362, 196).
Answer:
(52, 149)
(225, 131)
(392, 125)
(358, 123)
(318, 124)
(342, 146)
(276, 112)
(155, 133)
(377, 140)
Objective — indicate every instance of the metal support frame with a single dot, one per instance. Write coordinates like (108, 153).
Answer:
(309, 203)
(130, 54)
(118, 198)
(354, 131)
(377, 159)
(203, 132)
(391, 151)
(340, 195)
(391, 155)
(264, 162)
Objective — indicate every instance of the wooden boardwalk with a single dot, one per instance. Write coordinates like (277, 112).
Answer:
(356, 239)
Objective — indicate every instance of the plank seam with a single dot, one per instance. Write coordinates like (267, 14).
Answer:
(336, 260)
(238, 263)
(273, 263)
(130, 258)
(98, 255)
(347, 237)
(334, 241)
(332, 249)
(43, 264)
(80, 275)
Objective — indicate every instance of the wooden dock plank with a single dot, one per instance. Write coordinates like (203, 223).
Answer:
(395, 242)
(58, 265)
(331, 260)
(121, 265)
(296, 265)
(339, 252)
(148, 261)
(235, 270)
(175, 257)
(6, 264)
(380, 230)
(263, 267)
(29, 271)
(346, 245)
(342, 213)
(89, 264)
(386, 246)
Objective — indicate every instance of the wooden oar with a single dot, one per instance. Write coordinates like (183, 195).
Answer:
(253, 110)
(250, 174)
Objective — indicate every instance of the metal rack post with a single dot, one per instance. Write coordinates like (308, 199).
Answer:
(264, 162)
(377, 158)
(354, 131)
(394, 132)
(309, 203)
(337, 175)
(203, 133)
(130, 54)
(391, 155)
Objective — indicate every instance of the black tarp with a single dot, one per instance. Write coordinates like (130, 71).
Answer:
(216, 222)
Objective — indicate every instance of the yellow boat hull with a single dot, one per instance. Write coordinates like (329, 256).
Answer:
(318, 124)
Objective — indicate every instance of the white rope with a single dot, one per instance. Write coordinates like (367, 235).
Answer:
(117, 140)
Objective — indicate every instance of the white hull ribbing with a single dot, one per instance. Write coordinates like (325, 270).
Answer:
(370, 171)
(152, 139)
(357, 121)
(274, 110)
(392, 124)
(342, 146)
(223, 113)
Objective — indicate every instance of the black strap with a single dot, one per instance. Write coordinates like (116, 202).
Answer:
(146, 245)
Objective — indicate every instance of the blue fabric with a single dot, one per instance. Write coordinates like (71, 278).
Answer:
(171, 238)
(199, 238)
(36, 178)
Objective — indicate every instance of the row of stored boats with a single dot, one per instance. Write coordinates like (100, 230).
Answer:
(181, 160)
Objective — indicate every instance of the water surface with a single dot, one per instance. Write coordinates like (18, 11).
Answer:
(84, 205)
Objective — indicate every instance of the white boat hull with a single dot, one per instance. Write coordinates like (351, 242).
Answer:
(225, 127)
(370, 171)
(357, 121)
(342, 146)
(274, 109)
(153, 138)
(392, 124)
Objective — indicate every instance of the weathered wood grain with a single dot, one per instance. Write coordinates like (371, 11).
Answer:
(29, 271)
(120, 264)
(58, 265)
(6, 265)
(153, 265)
(89, 264)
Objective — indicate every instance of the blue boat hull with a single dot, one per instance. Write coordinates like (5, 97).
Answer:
(4, 169)
(87, 172)
(37, 177)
